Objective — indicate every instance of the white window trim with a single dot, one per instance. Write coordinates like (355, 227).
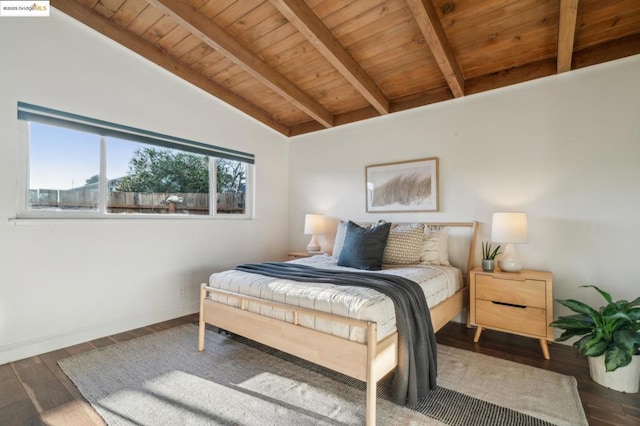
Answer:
(24, 213)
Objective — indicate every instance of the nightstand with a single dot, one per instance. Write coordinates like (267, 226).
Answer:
(298, 255)
(513, 302)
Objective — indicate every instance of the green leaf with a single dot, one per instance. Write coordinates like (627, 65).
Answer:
(625, 339)
(495, 252)
(591, 344)
(613, 329)
(579, 307)
(573, 321)
(567, 334)
(487, 253)
(616, 357)
(619, 318)
(581, 344)
(595, 347)
(604, 294)
(634, 314)
(613, 308)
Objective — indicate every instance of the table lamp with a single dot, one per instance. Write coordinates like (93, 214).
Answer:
(314, 225)
(509, 228)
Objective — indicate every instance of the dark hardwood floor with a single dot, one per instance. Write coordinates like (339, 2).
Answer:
(35, 391)
(601, 405)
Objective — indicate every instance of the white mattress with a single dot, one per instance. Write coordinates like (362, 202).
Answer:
(437, 282)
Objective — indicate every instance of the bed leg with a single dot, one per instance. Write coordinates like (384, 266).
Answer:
(203, 294)
(372, 384)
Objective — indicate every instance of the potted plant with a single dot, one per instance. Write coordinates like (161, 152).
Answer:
(489, 257)
(610, 338)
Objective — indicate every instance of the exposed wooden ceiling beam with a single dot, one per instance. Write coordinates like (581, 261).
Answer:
(308, 24)
(99, 23)
(508, 77)
(431, 28)
(566, 33)
(400, 104)
(609, 51)
(220, 40)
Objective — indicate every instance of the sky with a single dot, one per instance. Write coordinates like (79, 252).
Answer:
(65, 159)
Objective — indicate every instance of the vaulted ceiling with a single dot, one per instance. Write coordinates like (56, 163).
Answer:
(304, 65)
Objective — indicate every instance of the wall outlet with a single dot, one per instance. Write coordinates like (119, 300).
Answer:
(181, 290)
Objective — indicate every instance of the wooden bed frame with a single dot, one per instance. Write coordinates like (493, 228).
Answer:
(368, 361)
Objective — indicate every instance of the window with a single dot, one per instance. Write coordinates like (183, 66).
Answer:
(84, 167)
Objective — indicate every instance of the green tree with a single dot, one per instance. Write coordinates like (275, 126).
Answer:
(231, 176)
(161, 170)
(92, 179)
(158, 170)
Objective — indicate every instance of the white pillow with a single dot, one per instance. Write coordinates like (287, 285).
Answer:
(338, 244)
(435, 249)
(404, 245)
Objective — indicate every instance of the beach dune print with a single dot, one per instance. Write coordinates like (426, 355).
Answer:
(401, 187)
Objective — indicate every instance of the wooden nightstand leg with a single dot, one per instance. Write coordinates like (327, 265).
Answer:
(545, 349)
(477, 336)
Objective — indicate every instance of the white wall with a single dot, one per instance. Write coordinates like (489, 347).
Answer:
(64, 282)
(564, 149)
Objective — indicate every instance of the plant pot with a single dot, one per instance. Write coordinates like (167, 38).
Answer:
(488, 265)
(623, 379)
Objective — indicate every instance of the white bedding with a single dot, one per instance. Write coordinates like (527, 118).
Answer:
(437, 282)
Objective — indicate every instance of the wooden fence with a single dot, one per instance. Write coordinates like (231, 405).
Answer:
(136, 202)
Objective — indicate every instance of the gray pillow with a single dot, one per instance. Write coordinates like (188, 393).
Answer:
(364, 248)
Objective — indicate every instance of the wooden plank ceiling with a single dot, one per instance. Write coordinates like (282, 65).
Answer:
(304, 65)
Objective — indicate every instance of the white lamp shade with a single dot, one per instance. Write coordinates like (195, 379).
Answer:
(314, 224)
(509, 227)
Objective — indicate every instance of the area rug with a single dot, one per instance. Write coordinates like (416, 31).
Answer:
(161, 379)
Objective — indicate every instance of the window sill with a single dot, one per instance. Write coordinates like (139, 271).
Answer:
(36, 220)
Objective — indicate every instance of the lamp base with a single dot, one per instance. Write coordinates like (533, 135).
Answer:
(510, 261)
(510, 265)
(314, 246)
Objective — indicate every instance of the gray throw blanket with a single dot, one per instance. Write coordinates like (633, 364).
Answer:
(417, 364)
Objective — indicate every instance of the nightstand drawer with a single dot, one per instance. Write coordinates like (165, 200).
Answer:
(525, 320)
(526, 292)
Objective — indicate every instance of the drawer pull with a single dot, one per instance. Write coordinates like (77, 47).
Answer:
(513, 305)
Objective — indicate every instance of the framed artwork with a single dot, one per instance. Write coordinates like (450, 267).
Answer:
(407, 186)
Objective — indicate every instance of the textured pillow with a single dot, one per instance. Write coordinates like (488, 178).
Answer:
(341, 233)
(339, 241)
(364, 247)
(404, 246)
(435, 250)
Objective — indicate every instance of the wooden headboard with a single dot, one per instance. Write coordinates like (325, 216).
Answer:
(462, 242)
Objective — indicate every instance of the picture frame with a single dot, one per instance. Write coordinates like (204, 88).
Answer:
(405, 186)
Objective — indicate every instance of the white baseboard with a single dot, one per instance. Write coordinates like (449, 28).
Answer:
(46, 343)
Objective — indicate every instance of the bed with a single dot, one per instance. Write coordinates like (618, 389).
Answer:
(347, 329)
